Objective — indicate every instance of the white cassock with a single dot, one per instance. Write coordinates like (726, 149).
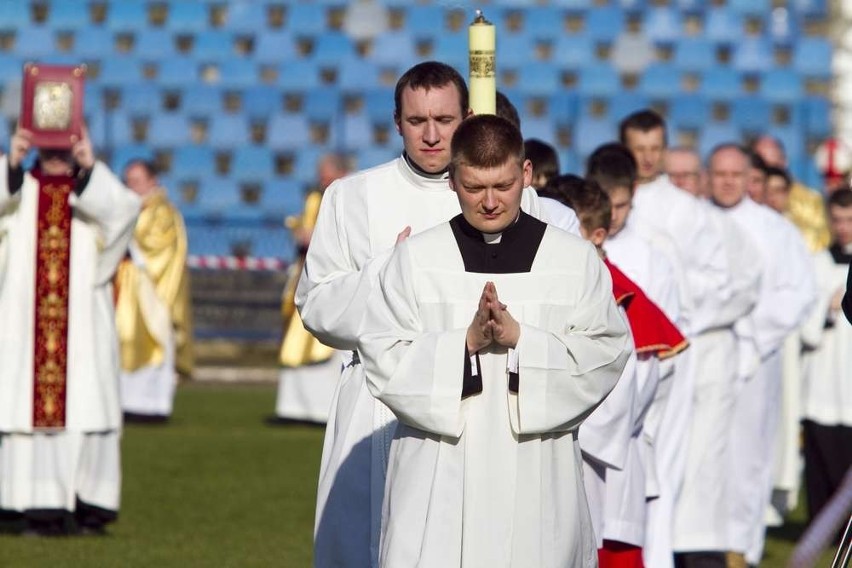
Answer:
(489, 474)
(786, 292)
(706, 289)
(41, 470)
(359, 220)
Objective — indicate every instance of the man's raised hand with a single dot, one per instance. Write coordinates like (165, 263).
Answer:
(19, 146)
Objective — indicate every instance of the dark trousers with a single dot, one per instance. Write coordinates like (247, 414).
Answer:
(828, 454)
(709, 559)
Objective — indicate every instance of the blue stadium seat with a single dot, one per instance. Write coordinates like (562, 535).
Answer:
(153, 44)
(12, 17)
(272, 47)
(305, 163)
(562, 107)
(252, 164)
(93, 43)
(177, 72)
(245, 16)
(590, 132)
(298, 75)
(754, 8)
(663, 24)
(424, 21)
(722, 25)
(721, 83)
(602, 81)
(120, 71)
(142, 99)
(193, 162)
(206, 240)
(632, 6)
(604, 23)
(515, 51)
(200, 100)
(11, 68)
(356, 131)
(127, 15)
(213, 45)
(694, 54)
(123, 155)
(378, 104)
(306, 19)
(375, 155)
(282, 197)
(660, 81)
(539, 127)
(793, 140)
(624, 103)
(753, 55)
(238, 73)
(275, 243)
(573, 51)
(168, 130)
(287, 132)
(544, 23)
(452, 49)
(394, 48)
(782, 28)
(34, 42)
(228, 131)
(575, 5)
(569, 164)
(321, 104)
(716, 133)
(5, 135)
(187, 17)
(68, 15)
(537, 78)
(261, 101)
(817, 116)
(115, 129)
(781, 86)
(751, 113)
(333, 48)
(812, 58)
(355, 75)
(811, 9)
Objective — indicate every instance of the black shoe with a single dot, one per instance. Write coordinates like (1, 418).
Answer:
(281, 421)
(134, 418)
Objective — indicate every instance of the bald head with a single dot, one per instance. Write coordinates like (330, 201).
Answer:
(728, 168)
(771, 150)
(683, 166)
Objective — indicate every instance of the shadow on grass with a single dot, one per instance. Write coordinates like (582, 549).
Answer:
(791, 531)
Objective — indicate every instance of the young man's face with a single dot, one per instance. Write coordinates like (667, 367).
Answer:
(621, 198)
(840, 221)
(137, 179)
(757, 184)
(777, 194)
(56, 162)
(490, 198)
(728, 169)
(427, 121)
(648, 149)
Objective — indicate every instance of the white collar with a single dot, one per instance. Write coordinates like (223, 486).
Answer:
(419, 181)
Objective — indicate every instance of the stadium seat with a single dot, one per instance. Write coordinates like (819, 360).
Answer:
(153, 44)
(602, 81)
(516, 51)
(12, 17)
(817, 117)
(282, 197)
(356, 131)
(272, 47)
(261, 101)
(660, 81)
(333, 48)
(142, 99)
(562, 107)
(123, 155)
(590, 132)
(228, 131)
(753, 8)
(287, 132)
(569, 164)
(93, 43)
(68, 15)
(275, 243)
(573, 51)
(246, 16)
(206, 240)
(127, 15)
(119, 71)
(213, 45)
(721, 83)
(716, 133)
(375, 155)
(238, 73)
(34, 42)
(187, 17)
(723, 26)
(378, 104)
(452, 49)
(781, 86)
(783, 28)
(306, 19)
(544, 23)
(168, 130)
(751, 113)
(810, 9)
(604, 23)
(424, 21)
(812, 58)
(662, 24)
(298, 75)
(574, 5)
(394, 48)
(753, 55)
(694, 54)
(201, 101)
(537, 78)
(305, 163)
(252, 164)
(321, 104)
(357, 74)
(177, 72)
(541, 128)
(193, 162)
(624, 103)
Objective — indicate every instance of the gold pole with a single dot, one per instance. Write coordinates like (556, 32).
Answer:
(483, 81)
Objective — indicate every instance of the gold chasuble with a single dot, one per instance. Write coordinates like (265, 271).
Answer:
(148, 297)
(52, 278)
(807, 211)
(299, 347)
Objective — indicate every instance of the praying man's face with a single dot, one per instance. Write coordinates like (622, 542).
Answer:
(427, 120)
(840, 223)
(490, 198)
(621, 200)
(728, 171)
(777, 194)
(648, 147)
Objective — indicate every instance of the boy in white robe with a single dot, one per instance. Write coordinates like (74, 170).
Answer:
(361, 218)
(67, 224)
(786, 292)
(484, 467)
(827, 393)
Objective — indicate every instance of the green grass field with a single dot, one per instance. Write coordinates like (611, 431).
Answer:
(218, 487)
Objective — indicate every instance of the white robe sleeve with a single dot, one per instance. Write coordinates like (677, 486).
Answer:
(5, 196)
(333, 291)
(114, 209)
(564, 376)
(814, 325)
(417, 374)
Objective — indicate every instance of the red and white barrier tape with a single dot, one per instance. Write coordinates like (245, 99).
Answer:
(236, 263)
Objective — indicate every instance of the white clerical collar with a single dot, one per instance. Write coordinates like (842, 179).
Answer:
(492, 238)
(420, 180)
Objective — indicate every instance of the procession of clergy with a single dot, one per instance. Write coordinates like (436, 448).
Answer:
(605, 370)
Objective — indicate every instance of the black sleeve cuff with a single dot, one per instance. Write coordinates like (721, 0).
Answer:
(514, 382)
(847, 304)
(83, 177)
(15, 179)
(471, 384)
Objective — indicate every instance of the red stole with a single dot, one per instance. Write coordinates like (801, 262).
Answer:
(52, 279)
(653, 332)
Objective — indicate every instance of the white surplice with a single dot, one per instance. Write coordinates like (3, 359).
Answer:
(786, 292)
(103, 218)
(306, 392)
(359, 220)
(493, 479)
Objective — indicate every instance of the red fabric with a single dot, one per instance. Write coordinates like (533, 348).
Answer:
(616, 554)
(653, 332)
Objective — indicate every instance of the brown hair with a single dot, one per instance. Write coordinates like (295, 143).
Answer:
(430, 75)
(585, 197)
(840, 198)
(485, 141)
(644, 120)
(611, 166)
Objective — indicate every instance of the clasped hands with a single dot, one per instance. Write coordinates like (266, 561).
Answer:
(492, 323)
